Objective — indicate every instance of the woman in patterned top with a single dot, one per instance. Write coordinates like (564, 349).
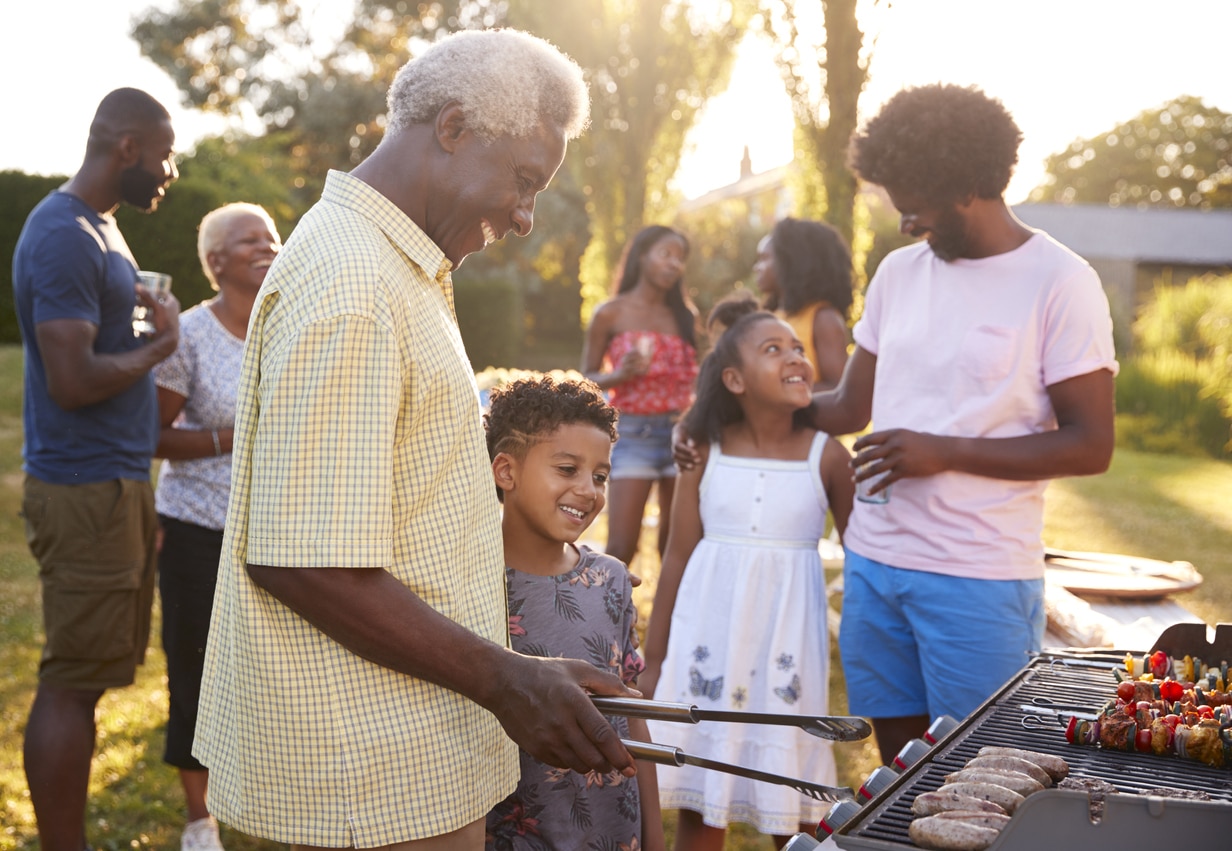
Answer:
(642, 348)
(196, 403)
(551, 443)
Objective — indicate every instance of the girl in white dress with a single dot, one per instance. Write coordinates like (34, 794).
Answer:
(749, 632)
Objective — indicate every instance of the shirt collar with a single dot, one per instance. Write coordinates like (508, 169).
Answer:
(351, 192)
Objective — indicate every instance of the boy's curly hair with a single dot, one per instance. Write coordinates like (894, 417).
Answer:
(523, 412)
(940, 142)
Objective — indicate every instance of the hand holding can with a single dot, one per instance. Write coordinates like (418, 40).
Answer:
(864, 487)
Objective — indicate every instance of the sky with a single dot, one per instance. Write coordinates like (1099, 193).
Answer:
(1065, 69)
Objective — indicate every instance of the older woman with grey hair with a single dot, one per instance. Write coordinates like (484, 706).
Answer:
(359, 690)
(196, 403)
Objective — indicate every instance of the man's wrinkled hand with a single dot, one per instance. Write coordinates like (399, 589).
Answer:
(546, 709)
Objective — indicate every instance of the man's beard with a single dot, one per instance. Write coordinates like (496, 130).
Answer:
(139, 188)
(948, 239)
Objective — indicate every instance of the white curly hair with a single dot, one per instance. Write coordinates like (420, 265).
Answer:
(508, 83)
(213, 229)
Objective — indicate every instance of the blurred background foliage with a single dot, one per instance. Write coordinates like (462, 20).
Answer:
(300, 107)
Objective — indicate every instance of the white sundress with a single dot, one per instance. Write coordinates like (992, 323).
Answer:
(749, 634)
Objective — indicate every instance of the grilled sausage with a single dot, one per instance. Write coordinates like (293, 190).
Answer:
(950, 835)
(1020, 783)
(997, 821)
(1056, 767)
(943, 800)
(1005, 798)
(1012, 763)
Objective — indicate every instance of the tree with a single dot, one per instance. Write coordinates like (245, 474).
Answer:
(257, 169)
(21, 193)
(1178, 154)
(255, 61)
(651, 65)
(824, 123)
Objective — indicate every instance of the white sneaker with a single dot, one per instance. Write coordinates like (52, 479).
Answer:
(201, 835)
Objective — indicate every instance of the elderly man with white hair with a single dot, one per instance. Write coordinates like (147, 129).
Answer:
(357, 676)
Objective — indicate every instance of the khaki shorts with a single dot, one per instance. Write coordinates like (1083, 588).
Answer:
(95, 546)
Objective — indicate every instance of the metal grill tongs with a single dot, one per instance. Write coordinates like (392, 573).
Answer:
(668, 755)
(840, 728)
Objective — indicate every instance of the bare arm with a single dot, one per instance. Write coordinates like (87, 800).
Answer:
(829, 348)
(686, 531)
(1081, 445)
(836, 478)
(847, 408)
(598, 336)
(540, 702)
(78, 376)
(179, 444)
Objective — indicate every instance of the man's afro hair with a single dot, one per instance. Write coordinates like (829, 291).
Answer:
(940, 143)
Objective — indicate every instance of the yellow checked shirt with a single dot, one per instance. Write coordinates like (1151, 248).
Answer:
(358, 443)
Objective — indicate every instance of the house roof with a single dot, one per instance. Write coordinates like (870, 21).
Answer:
(1190, 237)
(745, 187)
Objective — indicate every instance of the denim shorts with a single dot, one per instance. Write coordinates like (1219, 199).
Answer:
(644, 450)
(918, 643)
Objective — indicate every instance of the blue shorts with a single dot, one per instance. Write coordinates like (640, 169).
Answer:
(918, 643)
(644, 450)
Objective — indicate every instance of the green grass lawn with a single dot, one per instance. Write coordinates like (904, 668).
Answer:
(1146, 505)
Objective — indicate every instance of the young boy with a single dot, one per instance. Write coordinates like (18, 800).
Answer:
(551, 443)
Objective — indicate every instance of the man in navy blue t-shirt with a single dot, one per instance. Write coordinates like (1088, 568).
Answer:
(91, 426)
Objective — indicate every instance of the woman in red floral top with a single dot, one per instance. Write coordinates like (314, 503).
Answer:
(641, 348)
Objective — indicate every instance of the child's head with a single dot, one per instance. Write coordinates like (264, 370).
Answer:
(757, 361)
(802, 262)
(550, 443)
(726, 311)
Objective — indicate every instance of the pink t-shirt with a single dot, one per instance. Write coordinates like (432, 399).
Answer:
(968, 349)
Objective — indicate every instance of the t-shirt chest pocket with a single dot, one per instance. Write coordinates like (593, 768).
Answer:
(989, 352)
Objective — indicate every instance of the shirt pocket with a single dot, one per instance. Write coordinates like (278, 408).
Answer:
(989, 352)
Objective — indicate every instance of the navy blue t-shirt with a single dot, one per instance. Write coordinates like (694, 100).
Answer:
(71, 262)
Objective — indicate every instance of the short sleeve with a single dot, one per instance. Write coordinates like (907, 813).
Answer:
(1078, 329)
(68, 264)
(867, 331)
(335, 398)
(176, 372)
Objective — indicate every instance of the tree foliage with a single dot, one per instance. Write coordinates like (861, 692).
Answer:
(825, 120)
(256, 61)
(21, 193)
(1175, 155)
(651, 65)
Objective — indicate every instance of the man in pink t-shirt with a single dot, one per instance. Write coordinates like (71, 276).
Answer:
(984, 359)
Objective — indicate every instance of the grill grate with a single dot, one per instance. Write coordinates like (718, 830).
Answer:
(1070, 686)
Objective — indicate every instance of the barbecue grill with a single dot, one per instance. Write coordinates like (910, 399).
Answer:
(1030, 712)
